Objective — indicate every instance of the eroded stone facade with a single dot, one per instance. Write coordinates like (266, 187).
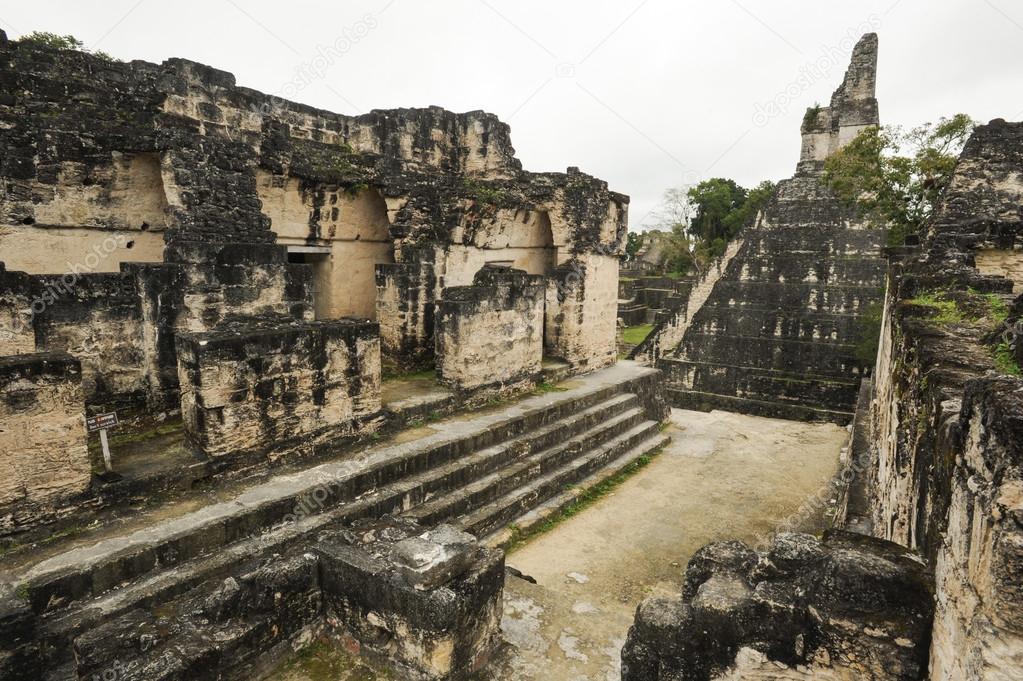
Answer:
(946, 428)
(44, 461)
(149, 212)
(777, 332)
(490, 334)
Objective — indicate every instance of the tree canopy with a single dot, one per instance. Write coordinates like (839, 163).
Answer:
(702, 219)
(896, 176)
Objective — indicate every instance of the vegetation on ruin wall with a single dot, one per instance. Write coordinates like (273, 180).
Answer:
(895, 176)
(868, 334)
(702, 219)
(586, 499)
(483, 193)
(60, 42)
(810, 117)
(984, 312)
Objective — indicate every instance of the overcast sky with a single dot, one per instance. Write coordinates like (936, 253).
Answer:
(646, 94)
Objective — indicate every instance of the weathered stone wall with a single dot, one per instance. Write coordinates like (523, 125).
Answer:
(278, 388)
(946, 428)
(98, 320)
(582, 311)
(425, 602)
(846, 608)
(44, 460)
(978, 628)
(239, 283)
(490, 334)
(436, 614)
(95, 317)
(350, 225)
(178, 151)
(17, 294)
(776, 336)
(405, 306)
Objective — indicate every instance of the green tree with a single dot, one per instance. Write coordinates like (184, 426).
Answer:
(702, 219)
(716, 202)
(60, 42)
(895, 176)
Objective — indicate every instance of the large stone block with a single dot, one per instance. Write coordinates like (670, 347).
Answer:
(848, 607)
(44, 460)
(430, 601)
(490, 334)
(279, 388)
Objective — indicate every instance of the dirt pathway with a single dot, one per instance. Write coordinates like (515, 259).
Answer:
(724, 476)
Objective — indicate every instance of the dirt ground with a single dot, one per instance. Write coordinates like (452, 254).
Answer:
(724, 476)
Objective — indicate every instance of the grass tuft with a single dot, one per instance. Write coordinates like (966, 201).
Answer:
(634, 335)
(520, 537)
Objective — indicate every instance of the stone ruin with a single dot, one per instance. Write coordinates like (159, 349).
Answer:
(770, 328)
(260, 291)
(176, 247)
(257, 264)
(930, 584)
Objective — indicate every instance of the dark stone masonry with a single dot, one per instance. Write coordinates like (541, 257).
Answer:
(777, 333)
(936, 593)
(849, 606)
(285, 307)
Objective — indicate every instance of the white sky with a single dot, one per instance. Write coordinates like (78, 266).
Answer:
(645, 94)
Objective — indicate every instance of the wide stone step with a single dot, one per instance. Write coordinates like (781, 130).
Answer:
(701, 401)
(520, 471)
(494, 515)
(538, 515)
(88, 571)
(90, 584)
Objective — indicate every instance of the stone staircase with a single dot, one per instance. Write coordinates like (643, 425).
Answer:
(669, 333)
(479, 472)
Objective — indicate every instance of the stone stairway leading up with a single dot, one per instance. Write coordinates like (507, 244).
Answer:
(479, 472)
(667, 335)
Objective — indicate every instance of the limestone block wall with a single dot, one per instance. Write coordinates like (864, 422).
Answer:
(237, 282)
(847, 608)
(978, 628)
(97, 318)
(44, 460)
(582, 311)
(946, 419)
(406, 292)
(17, 294)
(275, 389)
(490, 334)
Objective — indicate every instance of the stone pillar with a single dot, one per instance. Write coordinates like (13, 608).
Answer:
(278, 389)
(490, 334)
(44, 459)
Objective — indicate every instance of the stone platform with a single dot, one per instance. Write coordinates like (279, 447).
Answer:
(477, 472)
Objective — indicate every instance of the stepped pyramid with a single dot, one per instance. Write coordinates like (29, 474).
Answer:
(776, 335)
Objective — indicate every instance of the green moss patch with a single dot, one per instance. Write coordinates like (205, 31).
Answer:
(634, 335)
